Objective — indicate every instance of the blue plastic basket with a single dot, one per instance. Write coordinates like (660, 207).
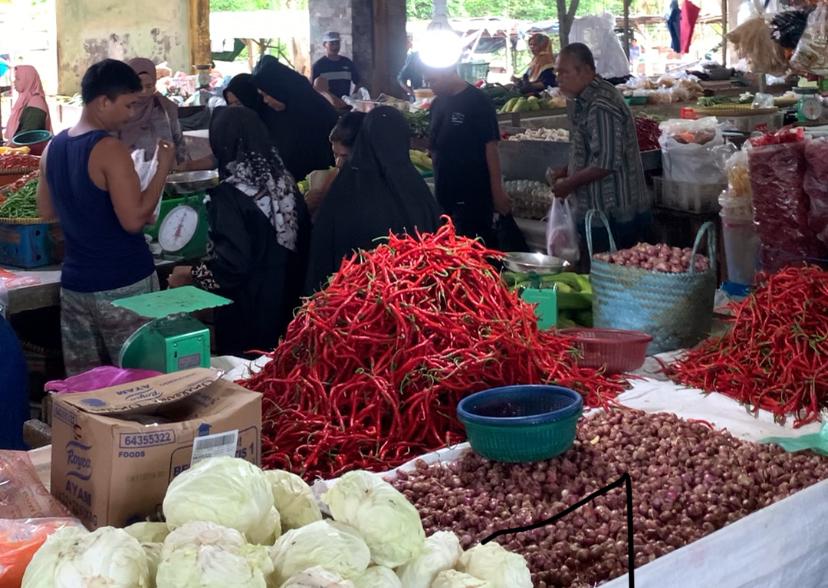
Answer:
(519, 424)
(26, 245)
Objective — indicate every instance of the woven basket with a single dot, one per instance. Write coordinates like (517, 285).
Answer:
(675, 309)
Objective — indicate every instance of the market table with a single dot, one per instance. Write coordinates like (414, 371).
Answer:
(46, 292)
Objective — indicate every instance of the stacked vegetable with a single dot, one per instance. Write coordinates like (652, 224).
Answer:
(541, 134)
(530, 199)
(18, 161)
(688, 481)
(775, 354)
(647, 132)
(372, 367)
(224, 521)
(657, 258)
(421, 160)
(21, 202)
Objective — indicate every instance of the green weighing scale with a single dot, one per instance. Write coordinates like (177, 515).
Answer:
(172, 340)
(810, 106)
(181, 228)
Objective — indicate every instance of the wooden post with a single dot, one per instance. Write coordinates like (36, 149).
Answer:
(627, 27)
(724, 32)
(566, 16)
(200, 32)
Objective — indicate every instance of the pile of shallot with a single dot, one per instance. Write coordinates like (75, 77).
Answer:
(688, 481)
(657, 258)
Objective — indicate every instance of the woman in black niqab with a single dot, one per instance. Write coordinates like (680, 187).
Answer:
(378, 191)
(301, 129)
(259, 231)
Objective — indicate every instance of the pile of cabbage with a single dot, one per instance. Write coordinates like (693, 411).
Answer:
(228, 523)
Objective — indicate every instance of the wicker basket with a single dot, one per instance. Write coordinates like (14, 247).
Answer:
(675, 309)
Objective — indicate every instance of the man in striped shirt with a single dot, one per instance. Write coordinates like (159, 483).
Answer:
(605, 169)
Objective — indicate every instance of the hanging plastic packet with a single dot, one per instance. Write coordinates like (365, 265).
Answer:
(816, 442)
(561, 234)
(146, 172)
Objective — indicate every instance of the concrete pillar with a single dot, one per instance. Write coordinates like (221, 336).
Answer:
(373, 35)
(92, 30)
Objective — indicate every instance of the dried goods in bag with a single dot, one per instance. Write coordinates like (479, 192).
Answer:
(816, 186)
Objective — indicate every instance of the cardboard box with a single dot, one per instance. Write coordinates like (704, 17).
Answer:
(115, 450)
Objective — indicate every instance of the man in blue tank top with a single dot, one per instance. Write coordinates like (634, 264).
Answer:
(93, 190)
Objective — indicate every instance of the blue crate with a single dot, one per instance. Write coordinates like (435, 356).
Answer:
(26, 245)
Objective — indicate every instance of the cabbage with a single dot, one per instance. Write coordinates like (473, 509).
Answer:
(335, 547)
(206, 555)
(71, 557)
(317, 577)
(496, 565)
(228, 491)
(40, 572)
(149, 532)
(153, 553)
(377, 577)
(455, 579)
(389, 524)
(293, 499)
(442, 550)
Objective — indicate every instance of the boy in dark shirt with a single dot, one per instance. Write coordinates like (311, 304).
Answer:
(464, 137)
(340, 72)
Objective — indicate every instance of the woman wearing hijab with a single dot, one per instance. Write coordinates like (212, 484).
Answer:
(30, 111)
(298, 117)
(154, 117)
(258, 237)
(376, 192)
(541, 71)
(242, 91)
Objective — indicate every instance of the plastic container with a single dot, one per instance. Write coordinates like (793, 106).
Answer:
(615, 350)
(690, 197)
(546, 305)
(520, 424)
(741, 249)
(26, 245)
(736, 207)
(36, 141)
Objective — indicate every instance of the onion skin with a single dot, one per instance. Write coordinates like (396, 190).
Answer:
(688, 481)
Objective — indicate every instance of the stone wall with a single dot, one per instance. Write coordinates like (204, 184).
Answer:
(91, 30)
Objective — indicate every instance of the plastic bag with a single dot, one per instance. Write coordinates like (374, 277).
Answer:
(693, 150)
(19, 541)
(816, 186)
(811, 53)
(146, 171)
(598, 33)
(561, 234)
(738, 175)
(816, 442)
(97, 378)
(22, 495)
(753, 41)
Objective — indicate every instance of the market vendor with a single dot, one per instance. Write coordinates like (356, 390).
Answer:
(298, 117)
(464, 137)
(605, 170)
(259, 230)
(541, 71)
(377, 191)
(343, 139)
(91, 187)
(154, 117)
(30, 112)
(241, 90)
(411, 75)
(339, 71)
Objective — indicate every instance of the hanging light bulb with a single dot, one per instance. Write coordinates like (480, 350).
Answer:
(441, 46)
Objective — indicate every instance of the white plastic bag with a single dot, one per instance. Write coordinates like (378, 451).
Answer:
(561, 234)
(146, 171)
(598, 33)
(692, 151)
(811, 53)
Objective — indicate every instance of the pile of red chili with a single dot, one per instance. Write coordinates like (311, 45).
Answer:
(775, 357)
(372, 367)
(19, 161)
(648, 133)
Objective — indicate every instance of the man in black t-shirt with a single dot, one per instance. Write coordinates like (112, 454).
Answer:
(340, 72)
(464, 136)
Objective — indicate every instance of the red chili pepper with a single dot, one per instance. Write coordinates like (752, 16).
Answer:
(372, 367)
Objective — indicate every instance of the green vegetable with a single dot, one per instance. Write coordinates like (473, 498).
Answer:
(22, 203)
(293, 499)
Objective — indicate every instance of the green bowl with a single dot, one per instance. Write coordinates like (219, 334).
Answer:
(521, 424)
(35, 140)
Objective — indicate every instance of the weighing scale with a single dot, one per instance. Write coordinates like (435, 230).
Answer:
(181, 228)
(810, 106)
(173, 340)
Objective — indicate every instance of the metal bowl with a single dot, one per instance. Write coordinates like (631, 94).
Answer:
(193, 181)
(526, 263)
